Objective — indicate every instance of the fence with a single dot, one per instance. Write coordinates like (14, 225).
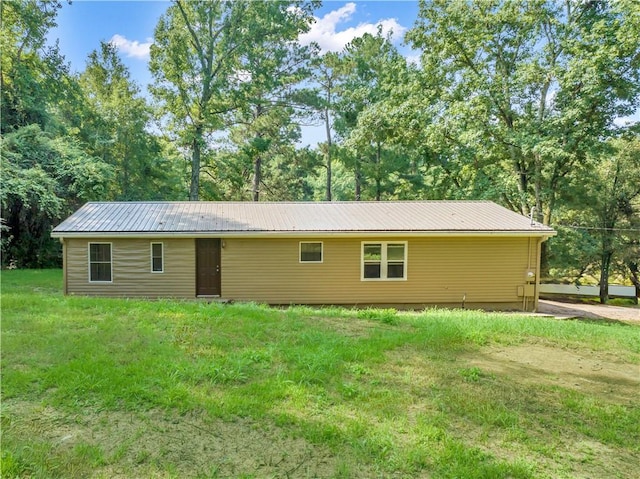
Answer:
(575, 290)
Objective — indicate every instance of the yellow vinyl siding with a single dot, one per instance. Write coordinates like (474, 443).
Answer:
(439, 271)
(131, 266)
(485, 271)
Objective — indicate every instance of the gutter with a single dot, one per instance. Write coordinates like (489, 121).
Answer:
(303, 234)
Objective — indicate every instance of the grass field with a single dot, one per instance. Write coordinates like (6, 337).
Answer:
(133, 388)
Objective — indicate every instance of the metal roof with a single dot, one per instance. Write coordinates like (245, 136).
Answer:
(250, 218)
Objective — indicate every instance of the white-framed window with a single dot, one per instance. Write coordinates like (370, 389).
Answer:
(157, 257)
(100, 263)
(311, 251)
(384, 260)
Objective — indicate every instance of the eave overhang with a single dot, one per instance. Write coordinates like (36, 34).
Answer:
(303, 234)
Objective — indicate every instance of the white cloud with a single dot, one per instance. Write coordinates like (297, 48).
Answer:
(132, 48)
(324, 33)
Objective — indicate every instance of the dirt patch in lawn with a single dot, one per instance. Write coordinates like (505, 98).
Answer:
(357, 328)
(351, 329)
(575, 309)
(598, 373)
(148, 444)
(603, 376)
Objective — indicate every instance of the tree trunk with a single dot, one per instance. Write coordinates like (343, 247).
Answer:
(358, 180)
(378, 183)
(544, 260)
(125, 172)
(522, 183)
(327, 125)
(257, 162)
(604, 276)
(257, 173)
(194, 189)
(634, 268)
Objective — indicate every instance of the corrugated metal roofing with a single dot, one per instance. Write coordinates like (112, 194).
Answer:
(329, 217)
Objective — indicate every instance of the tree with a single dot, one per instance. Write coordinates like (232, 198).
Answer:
(119, 129)
(193, 57)
(46, 172)
(599, 233)
(44, 179)
(529, 89)
(615, 186)
(373, 69)
(28, 69)
(327, 72)
(272, 66)
(632, 260)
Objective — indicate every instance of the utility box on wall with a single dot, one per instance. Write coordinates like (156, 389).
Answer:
(527, 290)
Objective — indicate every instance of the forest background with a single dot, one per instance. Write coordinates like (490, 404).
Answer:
(518, 102)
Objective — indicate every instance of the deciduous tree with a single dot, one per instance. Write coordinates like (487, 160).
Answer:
(193, 59)
(529, 88)
(43, 180)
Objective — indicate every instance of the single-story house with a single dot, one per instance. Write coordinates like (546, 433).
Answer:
(403, 253)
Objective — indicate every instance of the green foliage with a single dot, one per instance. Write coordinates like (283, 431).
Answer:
(191, 67)
(44, 180)
(366, 119)
(515, 102)
(342, 181)
(28, 71)
(573, 251)
(246, 67)
(523, 92)
(606, 207)
(119, 131)
(67, 140)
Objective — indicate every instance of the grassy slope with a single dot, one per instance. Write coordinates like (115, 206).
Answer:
(383, 392)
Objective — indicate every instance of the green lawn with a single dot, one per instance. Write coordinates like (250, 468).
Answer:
(132, 388)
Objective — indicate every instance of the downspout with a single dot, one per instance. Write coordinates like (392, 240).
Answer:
(536, 287)
(524, 296)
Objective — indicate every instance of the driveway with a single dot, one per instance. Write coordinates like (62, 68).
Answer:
(590, 311)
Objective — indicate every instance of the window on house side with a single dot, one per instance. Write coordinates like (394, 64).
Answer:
(100, 265)
(384, 260)
(157, 258)
(311, 252)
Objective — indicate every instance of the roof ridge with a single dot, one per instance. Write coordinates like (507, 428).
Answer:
(342, 202)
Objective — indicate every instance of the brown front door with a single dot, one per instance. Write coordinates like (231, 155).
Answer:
(208, 267)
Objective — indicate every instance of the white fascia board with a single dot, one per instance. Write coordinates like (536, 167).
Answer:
(305, 234)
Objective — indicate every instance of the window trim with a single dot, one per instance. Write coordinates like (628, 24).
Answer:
(161, 256)
(383, 260)
(321, 243)
(89, 262)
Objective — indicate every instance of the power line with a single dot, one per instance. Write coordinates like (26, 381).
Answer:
(636, 230)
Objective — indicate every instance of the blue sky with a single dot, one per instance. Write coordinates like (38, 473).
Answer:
(130, 25)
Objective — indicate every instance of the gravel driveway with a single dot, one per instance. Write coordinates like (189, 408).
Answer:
(591, 311)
